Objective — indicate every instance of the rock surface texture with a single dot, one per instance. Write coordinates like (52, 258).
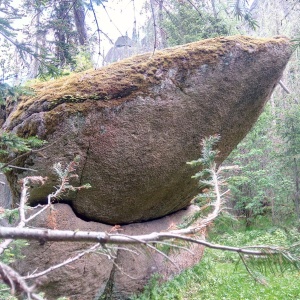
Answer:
(94, 276)
(137, 122)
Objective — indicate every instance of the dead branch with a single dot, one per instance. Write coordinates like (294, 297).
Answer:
(64, 263)
(105, 238)
(16, 283)
(112, 238)
(284, 87)
(98, 28)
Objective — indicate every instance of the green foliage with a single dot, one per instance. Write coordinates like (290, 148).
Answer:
(11, 215)
(13, 92)
(11, 143)
(6, 28)
(260, 187)
(5, 293)
(204, 177)
(188, 221)
(242, 11)
(8, 13)
(97, 2)
(10, 255)
(296, 42)
(6, 63)
(290, 156)
(218, 276)
(206, 161)
(215, 280)
(13, 252)
(185, 24)
(83, 61)
(68, 172)
(290, 131)
(48, 70)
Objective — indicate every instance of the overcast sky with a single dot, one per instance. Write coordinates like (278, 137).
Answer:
(118, 18)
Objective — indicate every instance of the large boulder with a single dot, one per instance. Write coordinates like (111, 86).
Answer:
(137, 122)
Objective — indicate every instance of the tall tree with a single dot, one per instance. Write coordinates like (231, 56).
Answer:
(79, 18)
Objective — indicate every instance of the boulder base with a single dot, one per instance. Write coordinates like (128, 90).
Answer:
(94, 276)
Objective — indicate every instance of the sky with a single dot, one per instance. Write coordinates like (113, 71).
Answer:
(118, 18)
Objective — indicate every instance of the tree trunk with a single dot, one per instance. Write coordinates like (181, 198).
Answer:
(38, 38)
(63, 32)
(162, 34)
(79, 17)
(213, 4)
(297, 193)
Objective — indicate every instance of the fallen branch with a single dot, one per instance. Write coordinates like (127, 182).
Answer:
(64, 263)
(284, 87)
(106, 238)
(16, 283)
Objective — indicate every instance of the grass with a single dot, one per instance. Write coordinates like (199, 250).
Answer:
(220, 275)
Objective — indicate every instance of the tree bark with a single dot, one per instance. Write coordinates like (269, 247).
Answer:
(297, 193)
(79, 17)
(213, 4)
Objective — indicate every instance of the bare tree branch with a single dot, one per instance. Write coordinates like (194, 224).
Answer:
(98, 28)
(16, 283)
(23, 200)
(64, 263)
(284, 87)
(106, 238)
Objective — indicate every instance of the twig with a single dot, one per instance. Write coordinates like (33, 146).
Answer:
(98, 28)
(195, 7)
(23, 200)
(124, 273)
(4, 245)
(20, 168)
(64, 263)
(15, 281)
(135, 238)
(110, 19)
(176, 246)
(284, 87)
(249, 270)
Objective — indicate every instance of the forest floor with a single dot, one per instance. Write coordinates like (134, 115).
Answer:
(222, 275)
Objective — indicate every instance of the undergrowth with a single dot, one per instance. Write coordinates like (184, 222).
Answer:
(221, 276)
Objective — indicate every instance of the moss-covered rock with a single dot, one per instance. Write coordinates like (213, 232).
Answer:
(136, 122)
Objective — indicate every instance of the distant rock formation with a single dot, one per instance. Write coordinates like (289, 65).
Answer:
(123, 48)
(136, 123)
